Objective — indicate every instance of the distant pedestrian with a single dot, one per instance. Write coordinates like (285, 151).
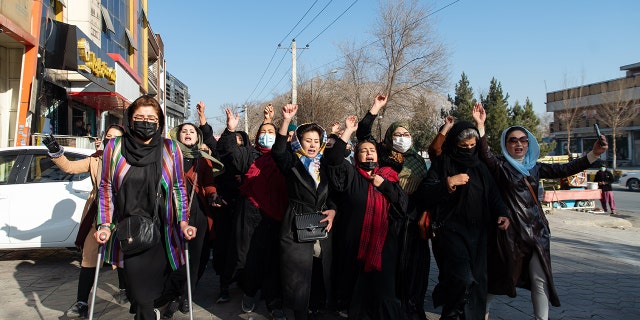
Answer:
(604, 178)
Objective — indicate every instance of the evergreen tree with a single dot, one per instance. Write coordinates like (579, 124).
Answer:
(526, 117)
(496, 107)
(423, 125)
(463, 101)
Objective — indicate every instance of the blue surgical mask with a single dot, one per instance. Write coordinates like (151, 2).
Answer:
(267, 140)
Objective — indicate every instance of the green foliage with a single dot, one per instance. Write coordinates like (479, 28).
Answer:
(496, 107)
(525, 117)
(463, 101)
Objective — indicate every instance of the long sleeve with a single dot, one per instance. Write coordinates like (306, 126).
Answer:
(105, 191)
(364, 127)
(280, 155)
(435, 148)
(181, 196)
(486, 155)
(72, 167)
(208, 139)
(239, 157)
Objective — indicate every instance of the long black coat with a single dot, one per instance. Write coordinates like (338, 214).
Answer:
(296, 258)
(528, 221)
(353, 190)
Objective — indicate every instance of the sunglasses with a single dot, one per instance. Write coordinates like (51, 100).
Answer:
(514, 140)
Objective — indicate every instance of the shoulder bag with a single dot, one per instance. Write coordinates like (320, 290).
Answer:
(309, 228)
(137, 233)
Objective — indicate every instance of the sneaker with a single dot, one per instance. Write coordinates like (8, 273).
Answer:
(184, 306)
(170, 310)
(121, 296)
(278, 314)
(224, 296)
(613, 212)
(248, 303)
(157, 312)
(79, 310)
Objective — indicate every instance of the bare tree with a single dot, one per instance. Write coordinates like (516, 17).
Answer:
(571, 103)
(353, 85)
(618, 107)
(408, 53)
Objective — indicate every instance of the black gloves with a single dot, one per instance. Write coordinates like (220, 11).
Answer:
(216, 201)
(51, 143)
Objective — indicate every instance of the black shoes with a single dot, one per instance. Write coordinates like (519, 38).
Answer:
(184, 306)
(170, 310)
(79, 310)
(224, 296)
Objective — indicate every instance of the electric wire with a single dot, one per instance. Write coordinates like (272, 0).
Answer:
(332, 22)
(303, 16)
(312, 20)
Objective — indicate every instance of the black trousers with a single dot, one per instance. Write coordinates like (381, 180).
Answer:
(146, 274)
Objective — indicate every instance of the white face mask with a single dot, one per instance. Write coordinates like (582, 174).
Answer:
(401, 144)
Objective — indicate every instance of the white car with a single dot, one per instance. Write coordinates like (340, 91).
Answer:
(630, 180)
(40, 205)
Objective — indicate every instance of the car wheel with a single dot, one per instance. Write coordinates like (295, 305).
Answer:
(633, 184)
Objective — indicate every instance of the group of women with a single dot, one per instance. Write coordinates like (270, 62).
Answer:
(370, 257)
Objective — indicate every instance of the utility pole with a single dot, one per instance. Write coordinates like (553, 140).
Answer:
(294, 76)
(246, 118)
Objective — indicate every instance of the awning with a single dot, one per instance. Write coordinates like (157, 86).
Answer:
(106, 17)
(102, 101)
(130, 38)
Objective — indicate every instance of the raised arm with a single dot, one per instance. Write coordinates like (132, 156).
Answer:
(366, 123)
(268, 114)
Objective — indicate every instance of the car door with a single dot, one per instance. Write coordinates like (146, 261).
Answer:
(9, 168)
(46, 203)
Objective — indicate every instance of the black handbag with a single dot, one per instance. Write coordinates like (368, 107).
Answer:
(138, 233)
(309, 228)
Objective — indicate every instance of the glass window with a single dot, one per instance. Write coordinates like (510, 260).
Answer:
(43, 169)
(6, 164)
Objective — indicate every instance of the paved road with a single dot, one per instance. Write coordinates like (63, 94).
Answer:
(596, 267)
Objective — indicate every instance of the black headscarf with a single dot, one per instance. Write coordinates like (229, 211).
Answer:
(451, 149)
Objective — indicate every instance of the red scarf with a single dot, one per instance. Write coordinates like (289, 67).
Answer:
(265, 186)
(375, 222)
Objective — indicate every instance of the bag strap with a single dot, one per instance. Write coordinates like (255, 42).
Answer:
(535, 198)
(155, 207)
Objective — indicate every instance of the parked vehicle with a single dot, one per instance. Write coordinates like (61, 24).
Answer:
(40, 205)
(630, 180)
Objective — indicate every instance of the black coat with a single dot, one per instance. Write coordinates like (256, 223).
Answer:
(304, 197)
(528, 221)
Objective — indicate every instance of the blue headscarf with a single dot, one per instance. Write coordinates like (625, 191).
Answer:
(530, 158)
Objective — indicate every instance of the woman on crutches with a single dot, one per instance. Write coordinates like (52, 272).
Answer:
(144, 180)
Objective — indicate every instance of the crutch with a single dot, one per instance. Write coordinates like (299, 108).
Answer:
(103, 236)
(186, 253)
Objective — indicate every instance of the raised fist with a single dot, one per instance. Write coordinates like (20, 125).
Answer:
(51, 143)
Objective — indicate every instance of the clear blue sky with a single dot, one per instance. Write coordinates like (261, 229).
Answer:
(220, 49)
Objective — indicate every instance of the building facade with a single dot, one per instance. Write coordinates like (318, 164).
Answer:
(614, 105)
(68, 64)
(178, 100)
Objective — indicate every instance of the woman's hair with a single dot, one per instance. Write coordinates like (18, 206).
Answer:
(512, 129)
(468, 134)
(114, 126)
(308, 127)
(146, 101)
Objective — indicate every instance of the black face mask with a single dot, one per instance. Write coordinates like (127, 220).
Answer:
(368, 165)
(104, 142)
(144, 129)
(464, 153)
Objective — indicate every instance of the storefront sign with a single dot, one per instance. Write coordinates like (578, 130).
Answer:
(93, 64)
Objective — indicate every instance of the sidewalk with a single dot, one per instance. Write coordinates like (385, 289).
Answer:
(596, 263)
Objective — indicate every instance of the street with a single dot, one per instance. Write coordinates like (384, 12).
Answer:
(596, 271)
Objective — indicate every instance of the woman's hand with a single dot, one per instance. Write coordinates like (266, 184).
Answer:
(376, 180)
(102, 235)
(448, 124)
(331, 214)
(189, 232)
(268, 113)
(200, 107)
(232, 121)
(378, 103)
(335, 127)
(503, 223)
(289, 111)
(599, 147)
(479, 115)
(457, 180)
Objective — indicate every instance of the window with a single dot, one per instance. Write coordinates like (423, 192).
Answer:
(6, 164)
(42, 169)
(106, 17)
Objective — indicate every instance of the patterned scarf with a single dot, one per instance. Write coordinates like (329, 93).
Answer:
(311, 164)
(194, 151)
(375, 222)
(414, 167)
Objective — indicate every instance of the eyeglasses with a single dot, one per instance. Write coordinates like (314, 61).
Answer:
(398, 135)
(514, 140)
(138, 117)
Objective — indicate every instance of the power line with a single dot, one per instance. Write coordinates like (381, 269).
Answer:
(334, 21)
(262, 76)
(305, 14)
(314, 18)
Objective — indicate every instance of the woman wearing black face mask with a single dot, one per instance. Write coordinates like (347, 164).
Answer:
(375, 204)
(466, 203)
(143, 175)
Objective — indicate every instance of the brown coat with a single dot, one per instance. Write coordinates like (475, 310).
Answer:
(529, 225)
(93, 165)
